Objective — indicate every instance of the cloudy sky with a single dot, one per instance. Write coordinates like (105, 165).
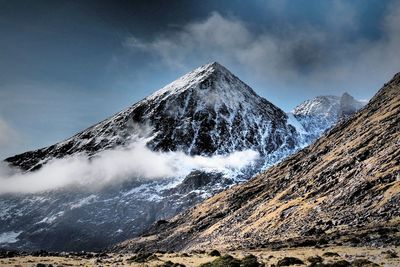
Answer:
(65, 65)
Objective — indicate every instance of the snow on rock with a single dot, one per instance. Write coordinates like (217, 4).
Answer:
(323, 106)
(9, 237)
(319, 114)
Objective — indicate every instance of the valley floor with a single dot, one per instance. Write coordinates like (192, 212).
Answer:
(359, 256)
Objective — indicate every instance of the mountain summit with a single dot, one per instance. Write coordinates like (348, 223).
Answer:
(348, 105)
(205, 112)
(315, 116)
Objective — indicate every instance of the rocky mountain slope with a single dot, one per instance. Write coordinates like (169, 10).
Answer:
(315, 116)
(205, 112)
(344, 188)
(208, 111)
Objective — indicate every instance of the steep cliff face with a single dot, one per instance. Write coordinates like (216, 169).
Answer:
(343, 188)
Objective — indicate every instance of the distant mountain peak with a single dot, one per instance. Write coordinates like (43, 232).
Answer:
(348, 105)
(317, 115)
(318, 106)
(346, 94)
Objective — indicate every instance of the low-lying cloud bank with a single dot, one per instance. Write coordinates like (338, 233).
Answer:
(116, 166)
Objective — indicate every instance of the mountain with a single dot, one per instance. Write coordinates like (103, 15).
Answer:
(343, 189)
(208, 111)
(315, 116)
(348, 105)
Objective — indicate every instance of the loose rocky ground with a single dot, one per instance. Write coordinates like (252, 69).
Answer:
(309, 256)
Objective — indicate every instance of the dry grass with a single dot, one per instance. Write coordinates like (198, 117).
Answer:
(376, 255)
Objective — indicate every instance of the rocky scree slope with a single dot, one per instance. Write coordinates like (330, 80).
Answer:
(344, 188)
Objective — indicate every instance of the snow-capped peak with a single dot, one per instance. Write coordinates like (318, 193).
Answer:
(211, 78)
(317, 115)
(208, 111)
(318, 106)
(186, 81)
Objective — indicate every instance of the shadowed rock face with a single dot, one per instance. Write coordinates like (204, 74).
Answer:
(343, 188)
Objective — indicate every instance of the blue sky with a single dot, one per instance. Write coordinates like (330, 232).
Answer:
(65, 65)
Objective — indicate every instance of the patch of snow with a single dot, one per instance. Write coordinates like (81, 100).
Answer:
(9, 237)
(296, 124)
(51, 218)
(88, 200)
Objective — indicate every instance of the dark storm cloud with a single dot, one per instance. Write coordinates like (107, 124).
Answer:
(305, 56)
(309, 56)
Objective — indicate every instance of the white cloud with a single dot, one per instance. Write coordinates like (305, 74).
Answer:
(210, 37)
(114, 166)
(301, 55)
(229, 40)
